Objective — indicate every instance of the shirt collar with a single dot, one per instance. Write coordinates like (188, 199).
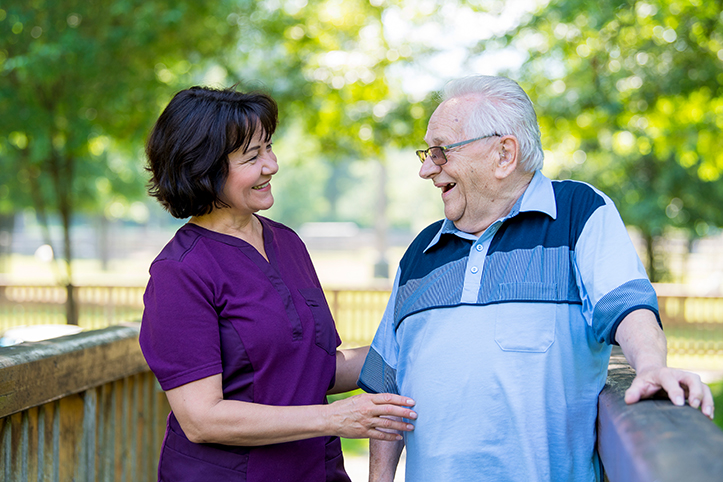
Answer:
(539, 196)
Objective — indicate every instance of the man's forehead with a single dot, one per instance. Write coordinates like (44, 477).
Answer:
(448, 121)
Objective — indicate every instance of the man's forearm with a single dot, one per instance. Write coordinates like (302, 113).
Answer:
(383, 459)
(642, 340)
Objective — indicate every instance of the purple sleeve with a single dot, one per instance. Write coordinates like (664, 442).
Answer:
(180, 331)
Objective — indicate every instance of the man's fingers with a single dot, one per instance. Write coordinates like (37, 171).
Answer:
(639, 389)
(677, 384)
(699, 394)
(672, 385)
(696, 391)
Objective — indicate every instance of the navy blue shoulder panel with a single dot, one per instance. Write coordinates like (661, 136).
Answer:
(416, 264)
(575, 201)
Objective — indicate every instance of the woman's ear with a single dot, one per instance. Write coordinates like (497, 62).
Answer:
(508, 156)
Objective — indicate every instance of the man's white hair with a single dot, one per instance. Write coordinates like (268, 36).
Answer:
(504, 109)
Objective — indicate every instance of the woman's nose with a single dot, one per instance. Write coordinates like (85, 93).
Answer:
(271, 165)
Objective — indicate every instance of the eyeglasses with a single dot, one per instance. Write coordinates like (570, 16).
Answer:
(437, 153)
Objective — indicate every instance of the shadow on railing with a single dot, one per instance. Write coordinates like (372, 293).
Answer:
(653, 440)
(80, 408)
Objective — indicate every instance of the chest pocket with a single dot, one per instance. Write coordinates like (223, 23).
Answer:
(325, 331)
(526, 324)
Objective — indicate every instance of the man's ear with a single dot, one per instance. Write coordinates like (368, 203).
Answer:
(508, 156)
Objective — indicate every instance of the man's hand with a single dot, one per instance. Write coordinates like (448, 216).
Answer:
(645, 347)
(678, 384)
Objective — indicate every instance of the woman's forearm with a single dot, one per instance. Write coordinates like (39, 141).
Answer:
(206, 417)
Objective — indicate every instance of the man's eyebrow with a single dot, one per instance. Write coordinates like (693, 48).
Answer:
(435, 142)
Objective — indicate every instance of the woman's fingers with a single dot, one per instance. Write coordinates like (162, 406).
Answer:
(376, 416)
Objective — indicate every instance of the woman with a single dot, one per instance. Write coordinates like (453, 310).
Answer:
(235, 326)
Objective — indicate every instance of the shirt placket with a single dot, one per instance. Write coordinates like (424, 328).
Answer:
(475, 264)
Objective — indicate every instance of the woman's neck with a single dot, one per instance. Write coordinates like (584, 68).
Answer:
(248, 228)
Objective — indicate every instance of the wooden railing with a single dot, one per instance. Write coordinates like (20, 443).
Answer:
(653, 440)
(85, 408)
(80, 408)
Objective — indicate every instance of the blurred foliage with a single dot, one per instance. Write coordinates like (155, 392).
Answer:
(85, 80)
(327, 64)
(630, 98)
(79, 83)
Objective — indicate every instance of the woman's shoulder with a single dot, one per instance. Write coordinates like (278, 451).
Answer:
(279, 230)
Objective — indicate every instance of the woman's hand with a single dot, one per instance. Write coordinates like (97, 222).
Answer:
(206, 417)
(367, 416)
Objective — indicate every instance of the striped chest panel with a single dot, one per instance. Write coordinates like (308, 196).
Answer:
(530, 258)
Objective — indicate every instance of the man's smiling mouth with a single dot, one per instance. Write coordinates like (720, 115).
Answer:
(448, 187)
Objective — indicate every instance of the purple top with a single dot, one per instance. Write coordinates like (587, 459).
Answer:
(215, 305)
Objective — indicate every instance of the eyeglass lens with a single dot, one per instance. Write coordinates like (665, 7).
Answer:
(436, 153)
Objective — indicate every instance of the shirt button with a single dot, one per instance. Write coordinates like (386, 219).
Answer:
(479, 247)
(474, 269)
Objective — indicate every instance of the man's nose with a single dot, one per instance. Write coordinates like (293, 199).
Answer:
(428, 168)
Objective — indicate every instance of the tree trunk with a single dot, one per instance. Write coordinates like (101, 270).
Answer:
(61, 170)
(650, 257)
(381, 225)
(7, 226)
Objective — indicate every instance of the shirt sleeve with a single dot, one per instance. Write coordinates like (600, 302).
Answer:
(379, 372)
(179, 333)
(611, 277)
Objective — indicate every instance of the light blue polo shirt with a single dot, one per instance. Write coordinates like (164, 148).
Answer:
(504, 340)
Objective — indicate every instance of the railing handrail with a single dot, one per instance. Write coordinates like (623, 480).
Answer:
(49, 370)
(653, 440)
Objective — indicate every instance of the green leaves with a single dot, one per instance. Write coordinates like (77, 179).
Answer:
(630, 99)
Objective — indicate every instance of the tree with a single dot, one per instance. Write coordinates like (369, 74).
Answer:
(79, 83)
(630, 98)
(327, 64)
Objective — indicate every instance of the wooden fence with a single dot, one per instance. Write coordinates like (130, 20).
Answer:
(693, 324)
(85, 408)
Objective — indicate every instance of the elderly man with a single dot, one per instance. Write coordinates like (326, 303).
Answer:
(502, 315)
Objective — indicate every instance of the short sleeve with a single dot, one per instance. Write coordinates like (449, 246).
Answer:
(379, 372)
(612, 279)
(179, 333)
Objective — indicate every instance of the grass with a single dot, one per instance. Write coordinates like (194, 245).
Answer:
(717, 389)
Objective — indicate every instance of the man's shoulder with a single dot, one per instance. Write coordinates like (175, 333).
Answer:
(582, 193)
(425, 236)
(577, 200)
